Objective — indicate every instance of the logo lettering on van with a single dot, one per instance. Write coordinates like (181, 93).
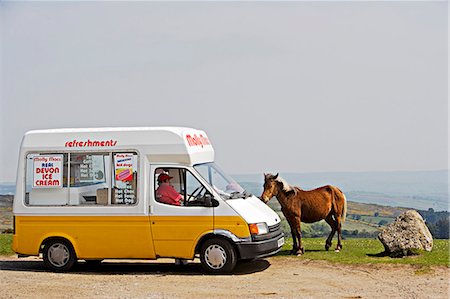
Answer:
(197, 140)
(91, 143)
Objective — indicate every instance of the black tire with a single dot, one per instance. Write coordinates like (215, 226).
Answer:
(218, 256)
(59, 255)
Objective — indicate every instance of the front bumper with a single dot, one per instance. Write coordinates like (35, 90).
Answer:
(257, 249)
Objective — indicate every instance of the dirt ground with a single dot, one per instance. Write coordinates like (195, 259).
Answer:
(276, 277)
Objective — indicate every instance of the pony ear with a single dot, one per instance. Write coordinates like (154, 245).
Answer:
(276, 176)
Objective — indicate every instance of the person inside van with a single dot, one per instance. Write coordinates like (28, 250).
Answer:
(166, 193)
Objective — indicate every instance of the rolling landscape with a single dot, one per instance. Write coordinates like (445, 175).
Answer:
(412, 189)
(362, 261)
(374, 199)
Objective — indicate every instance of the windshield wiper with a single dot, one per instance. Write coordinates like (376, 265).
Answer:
(244, 194)
(235, 194)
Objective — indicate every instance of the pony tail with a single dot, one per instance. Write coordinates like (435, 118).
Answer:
(344, 209)
(336, 195)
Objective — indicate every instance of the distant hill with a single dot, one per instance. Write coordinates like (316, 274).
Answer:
(413, 189)
(6, 200)
(7, 189)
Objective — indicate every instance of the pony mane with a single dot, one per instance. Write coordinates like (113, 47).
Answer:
(286, 187)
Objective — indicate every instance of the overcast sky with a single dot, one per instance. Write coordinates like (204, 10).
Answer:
(289, 87)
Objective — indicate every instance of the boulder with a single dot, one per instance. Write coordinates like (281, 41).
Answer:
(407, 235)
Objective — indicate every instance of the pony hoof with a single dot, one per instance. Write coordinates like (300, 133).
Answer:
(337, 250)
(299, 254)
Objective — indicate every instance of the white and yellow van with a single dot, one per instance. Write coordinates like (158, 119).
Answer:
(90, 194)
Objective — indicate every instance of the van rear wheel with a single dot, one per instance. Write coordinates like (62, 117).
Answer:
(218, 256)
(59, 255)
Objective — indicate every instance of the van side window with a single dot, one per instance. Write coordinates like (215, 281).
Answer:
(81, 179)
(88, 183)
(179, 187)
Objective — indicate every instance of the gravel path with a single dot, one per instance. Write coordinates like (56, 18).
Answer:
(276, 277)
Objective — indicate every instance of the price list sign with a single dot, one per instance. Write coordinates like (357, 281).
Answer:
(124, 173)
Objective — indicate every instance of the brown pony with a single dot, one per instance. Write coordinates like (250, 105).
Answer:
(297, 205)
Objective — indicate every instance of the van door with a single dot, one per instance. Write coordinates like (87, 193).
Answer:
(179, 211)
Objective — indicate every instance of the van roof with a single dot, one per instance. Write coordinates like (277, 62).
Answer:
(160, 144)
(110, 129)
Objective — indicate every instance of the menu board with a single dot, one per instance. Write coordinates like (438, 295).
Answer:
(86, 171)
(125, 170)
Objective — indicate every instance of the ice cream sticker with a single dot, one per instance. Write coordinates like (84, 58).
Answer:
(47, 171)
(123, 165)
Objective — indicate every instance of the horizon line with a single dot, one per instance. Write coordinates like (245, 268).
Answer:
(349, 171)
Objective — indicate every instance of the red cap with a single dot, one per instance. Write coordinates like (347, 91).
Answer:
(163, 177)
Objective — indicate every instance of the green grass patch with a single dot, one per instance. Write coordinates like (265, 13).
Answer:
(351, 225)
(368, 251)
(5, 244)
(376, 220)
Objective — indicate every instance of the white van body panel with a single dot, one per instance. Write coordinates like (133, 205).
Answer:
(174, 145)
(253, 210)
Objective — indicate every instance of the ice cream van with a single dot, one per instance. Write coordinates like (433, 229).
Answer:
(134, 193)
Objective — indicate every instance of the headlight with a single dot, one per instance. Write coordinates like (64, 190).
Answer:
(258, 228)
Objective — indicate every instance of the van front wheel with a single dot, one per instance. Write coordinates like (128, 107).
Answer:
(218, 256)
(59, 255)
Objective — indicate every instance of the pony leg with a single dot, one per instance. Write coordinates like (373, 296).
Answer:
(294, 236)
(332, 223)
(339, 229)
(294, 242)
(298, 232)
(338, 211)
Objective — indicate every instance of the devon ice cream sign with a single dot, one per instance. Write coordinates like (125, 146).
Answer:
(47, 171)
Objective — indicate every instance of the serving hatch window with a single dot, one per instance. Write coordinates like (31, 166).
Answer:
(81, 178)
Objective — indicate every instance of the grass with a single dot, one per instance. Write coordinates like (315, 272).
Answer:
(355, 251)
(5, 244)
(376, 220)
(368, 251)
(6, 218)
(351, 225)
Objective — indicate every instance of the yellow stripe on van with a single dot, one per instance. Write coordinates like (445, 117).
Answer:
(234, 224)
(100, 237)
(177, 236)
(91, 236)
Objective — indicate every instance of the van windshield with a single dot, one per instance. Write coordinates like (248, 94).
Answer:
(226, 186)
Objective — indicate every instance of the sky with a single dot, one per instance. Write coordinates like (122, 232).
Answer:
(279, 87)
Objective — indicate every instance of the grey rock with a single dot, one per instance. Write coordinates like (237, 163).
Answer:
(407, 235)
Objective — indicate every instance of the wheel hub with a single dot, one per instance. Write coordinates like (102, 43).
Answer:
(215, 256)
(58, 255)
